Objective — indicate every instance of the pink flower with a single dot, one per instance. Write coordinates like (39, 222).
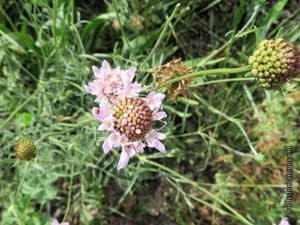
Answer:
(130, 122)
(55, 222)
(284, 221)
(128, 117)
(109, 84)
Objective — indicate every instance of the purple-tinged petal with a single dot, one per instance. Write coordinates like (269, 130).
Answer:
(155, 100)
(159, 115)
(153, 134)
(96, 71)
(126, 81)
(153, 138)
(131, 72)
(159, 135)
(55, 222)
(284, 221)
(106, 146)
(159, 146)
(105, 65)
(105, 125)
(65, 223)
(114, 139)
(139, 147)
(124, 159)
(97, 113)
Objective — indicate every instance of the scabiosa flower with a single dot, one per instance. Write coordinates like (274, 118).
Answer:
(109, 84)
(25, 149)
(284, 221)
(55, 222)
(171, 70)
(130, 121)
(274, 63)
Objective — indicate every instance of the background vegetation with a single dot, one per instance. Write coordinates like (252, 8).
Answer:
(209, 175)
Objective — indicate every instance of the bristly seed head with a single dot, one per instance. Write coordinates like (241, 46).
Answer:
(133, 118)
(25, 149)
(173, 69)
(274, 63)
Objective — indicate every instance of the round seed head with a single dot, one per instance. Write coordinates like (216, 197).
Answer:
(274, 63)
(25, 149)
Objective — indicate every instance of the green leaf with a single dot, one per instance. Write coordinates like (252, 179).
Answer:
(273, 14)
(24, 119)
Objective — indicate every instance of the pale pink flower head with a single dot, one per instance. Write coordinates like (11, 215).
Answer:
(284, 221)
(55, 222)
(111, 83)
(130, 121)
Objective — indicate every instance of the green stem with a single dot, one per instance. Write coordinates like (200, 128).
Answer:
(23, 178)
(194, 184)
(83, 123)
(208, 72)
(121, 26)
(69, 195)
(18, 109)
(162, 33)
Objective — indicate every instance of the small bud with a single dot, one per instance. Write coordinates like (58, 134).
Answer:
(274, 63)
(260, 158)
(25, 149)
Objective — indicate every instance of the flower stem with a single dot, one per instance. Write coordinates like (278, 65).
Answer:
(208, 72)
(18, 109)
(167, 23)
(81, 124)
(194, 184)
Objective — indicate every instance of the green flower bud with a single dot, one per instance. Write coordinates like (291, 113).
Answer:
(274, 63)
(260, 158)
(25, 149)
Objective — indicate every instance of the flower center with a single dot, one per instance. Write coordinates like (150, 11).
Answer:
(133, 118)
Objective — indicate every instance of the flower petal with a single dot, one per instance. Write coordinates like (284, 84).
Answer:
(126, 80)
(153, 138)
(114, 140)
(155, 100)
(139, 147)
(124, 159)
(106, 146)
(107, 124)
(131, 72)
(55, 222)
(96, 71)
(97, 113)
(284, 221)
(159, 146)
(105, 65)
(159, 115)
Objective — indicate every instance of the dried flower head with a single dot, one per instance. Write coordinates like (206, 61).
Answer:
(25, 149)
(136, 23)
(274, 63)
(172, 69)
(116, 25)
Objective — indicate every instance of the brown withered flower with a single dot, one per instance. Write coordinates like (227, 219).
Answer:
(170, 70)
(136, 23)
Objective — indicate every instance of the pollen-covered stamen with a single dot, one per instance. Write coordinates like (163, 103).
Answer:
(133, 118)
